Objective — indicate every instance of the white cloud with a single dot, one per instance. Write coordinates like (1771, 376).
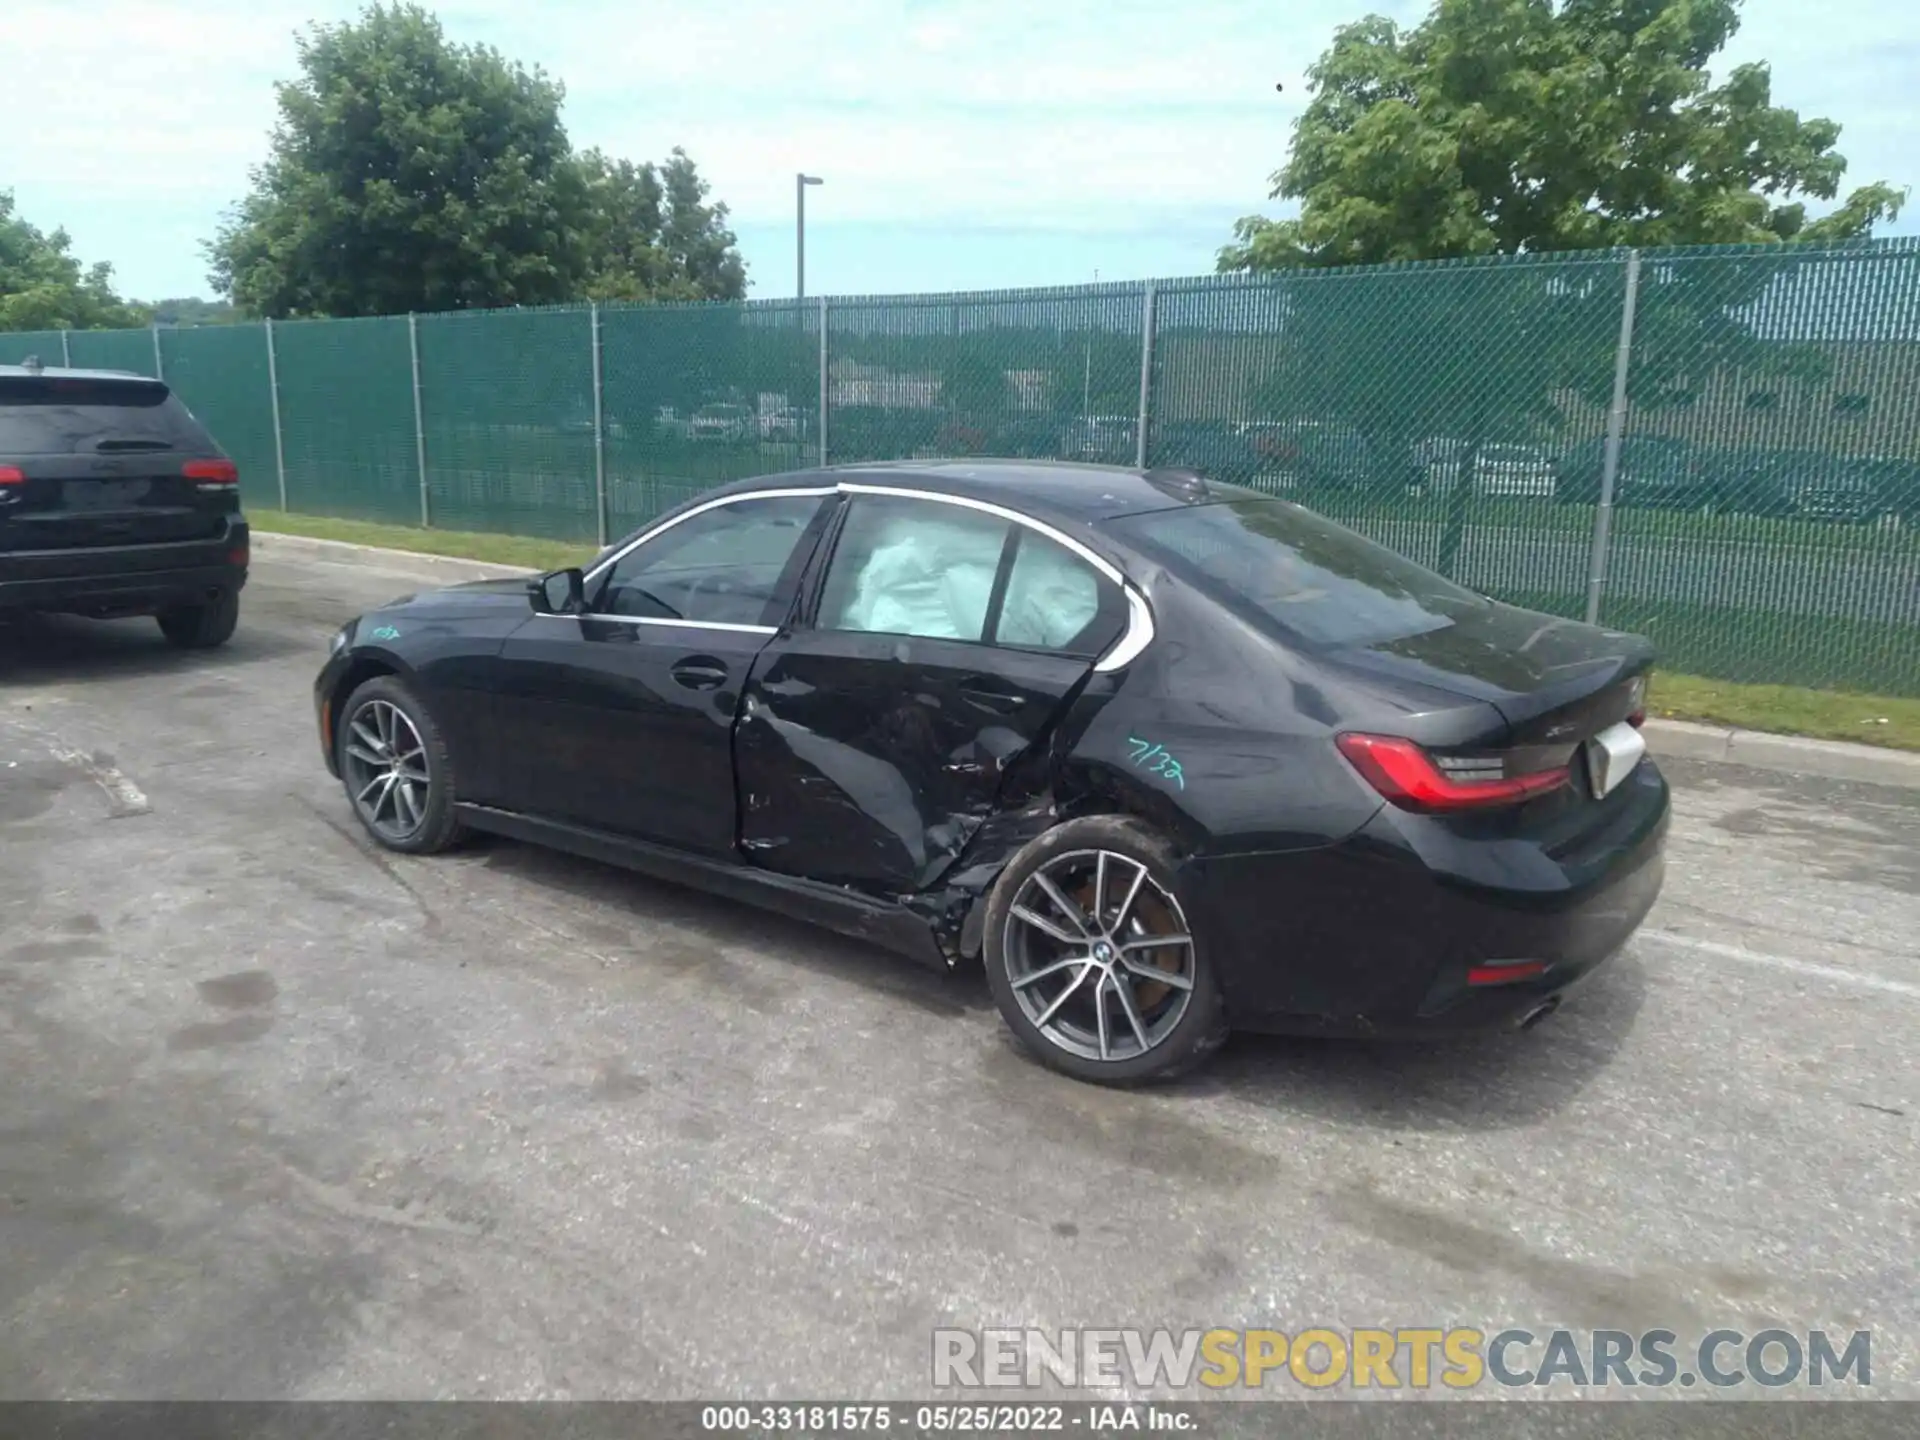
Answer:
(1112, 117)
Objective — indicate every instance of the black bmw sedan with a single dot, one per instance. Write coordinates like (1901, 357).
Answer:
(1169, 756)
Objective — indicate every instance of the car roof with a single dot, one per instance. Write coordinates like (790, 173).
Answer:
(1068, 490)
(67, 372)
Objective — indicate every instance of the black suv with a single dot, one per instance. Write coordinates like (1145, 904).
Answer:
(115, 501)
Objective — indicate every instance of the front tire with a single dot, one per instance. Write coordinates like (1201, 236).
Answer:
(396, 769)
(1093, 960)
(203, 625)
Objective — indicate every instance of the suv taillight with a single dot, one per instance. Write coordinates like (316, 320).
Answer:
(12, 475)
(212, 474)
(1409, 777)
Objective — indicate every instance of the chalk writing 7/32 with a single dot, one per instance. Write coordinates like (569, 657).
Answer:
(1156, 760)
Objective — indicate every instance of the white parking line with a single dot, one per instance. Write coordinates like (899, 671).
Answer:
(1783, 962)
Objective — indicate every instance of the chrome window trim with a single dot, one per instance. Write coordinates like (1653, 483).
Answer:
(663, 620)
(1124, 651)
(1139, 632)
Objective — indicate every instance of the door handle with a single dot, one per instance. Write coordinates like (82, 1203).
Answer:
(990, 697)
(700, 672)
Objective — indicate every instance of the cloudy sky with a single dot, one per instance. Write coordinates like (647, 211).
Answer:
(965, 143)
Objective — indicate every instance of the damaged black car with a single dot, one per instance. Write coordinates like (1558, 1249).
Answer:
(1169, 756)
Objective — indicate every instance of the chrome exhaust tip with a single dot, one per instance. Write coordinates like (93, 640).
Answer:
(1539, 1013)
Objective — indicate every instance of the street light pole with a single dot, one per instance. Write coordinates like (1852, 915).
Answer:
(800, 183)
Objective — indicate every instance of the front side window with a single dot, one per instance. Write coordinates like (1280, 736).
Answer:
(913, 567)
(722, 566)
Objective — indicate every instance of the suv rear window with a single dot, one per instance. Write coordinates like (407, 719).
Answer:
(60, 415)
(1289, 569)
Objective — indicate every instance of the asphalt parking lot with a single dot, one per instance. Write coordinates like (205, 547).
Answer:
(283, 1116)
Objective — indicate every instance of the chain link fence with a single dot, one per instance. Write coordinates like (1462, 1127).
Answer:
(1718, 447)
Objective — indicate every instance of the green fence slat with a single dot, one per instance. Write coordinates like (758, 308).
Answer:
(130, 350)
(698, 395)
(1766, 515)
(507, 398)
(20, 345)
(346, 414)
(220, 373)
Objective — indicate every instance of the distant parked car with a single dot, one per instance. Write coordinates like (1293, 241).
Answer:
(1106, 439)
(722, 422)
(1499, 467)
(670, 424)
(1655, 472)
(785, 426)
(115, 501)
(1326, 455)
(1214, 447)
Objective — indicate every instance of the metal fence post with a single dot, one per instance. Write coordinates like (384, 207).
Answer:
(823, 381)
(159, 364)
(1147, 306)
(66, 350)
(1616, 429)
(419, 420)
(599, 430)
(273, 397)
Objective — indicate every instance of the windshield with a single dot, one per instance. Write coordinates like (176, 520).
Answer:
(1285, 567)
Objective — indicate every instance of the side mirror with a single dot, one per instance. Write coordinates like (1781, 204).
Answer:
(559, 592)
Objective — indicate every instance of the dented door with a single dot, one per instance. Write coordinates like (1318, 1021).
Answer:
(870, 760)
(875, 733)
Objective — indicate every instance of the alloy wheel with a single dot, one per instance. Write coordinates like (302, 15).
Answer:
(386, 769)
(1099, 956)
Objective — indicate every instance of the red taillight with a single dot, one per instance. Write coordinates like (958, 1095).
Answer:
(238, 557)
(12, 475)
(1506, 974)
(1405, 774)
(1637, 718)
(212, 474)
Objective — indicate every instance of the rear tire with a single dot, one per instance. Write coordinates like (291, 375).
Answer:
(1121, 878)
(202, 626)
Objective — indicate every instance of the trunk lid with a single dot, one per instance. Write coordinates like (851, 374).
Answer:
(1556, 682)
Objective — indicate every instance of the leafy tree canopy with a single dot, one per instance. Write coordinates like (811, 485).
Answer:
(192, 310)
(43, 287)
(1502, 126)
(409, 173)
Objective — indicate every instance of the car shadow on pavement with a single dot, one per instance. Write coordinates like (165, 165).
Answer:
(1494, 1081)
(653, 903)
(53, 649)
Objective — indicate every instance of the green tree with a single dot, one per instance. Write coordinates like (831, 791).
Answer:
(652, 234)
(1502, 126)
(192, 310)
(44, 287)
(406, 173)
(1528, 127)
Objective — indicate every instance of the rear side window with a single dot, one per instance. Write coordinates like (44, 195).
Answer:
(1287, 568)
(58, 415)
(913, 567)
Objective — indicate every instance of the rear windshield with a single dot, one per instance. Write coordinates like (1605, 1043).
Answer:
(1289, 569)
(57, 415)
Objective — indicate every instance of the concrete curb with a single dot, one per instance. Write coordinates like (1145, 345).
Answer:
(1829, 759)
(449, 568)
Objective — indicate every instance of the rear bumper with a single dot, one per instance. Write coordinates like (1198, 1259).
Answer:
(123, 579)
(1381, 935)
